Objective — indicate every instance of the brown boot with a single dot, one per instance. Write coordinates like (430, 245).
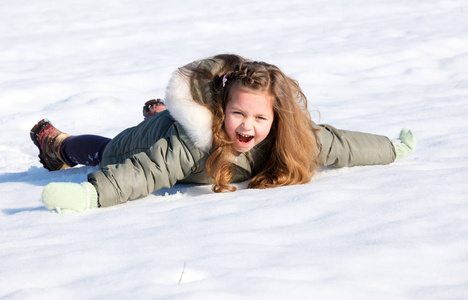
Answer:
(49, 141)
(153, 107)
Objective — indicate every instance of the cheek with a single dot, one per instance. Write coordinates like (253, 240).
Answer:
(230, 126)
(264, 130)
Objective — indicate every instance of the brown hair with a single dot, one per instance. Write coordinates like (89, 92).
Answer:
(291, 144)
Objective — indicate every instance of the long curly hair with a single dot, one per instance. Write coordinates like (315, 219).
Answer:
(291, 145)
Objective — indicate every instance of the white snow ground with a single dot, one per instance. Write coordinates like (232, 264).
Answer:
(383, 232)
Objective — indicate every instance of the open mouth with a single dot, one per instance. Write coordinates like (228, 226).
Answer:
(243, 138)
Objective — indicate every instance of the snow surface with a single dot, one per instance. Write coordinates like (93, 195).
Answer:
(382, 232)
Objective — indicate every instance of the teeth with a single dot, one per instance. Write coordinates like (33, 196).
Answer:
(243, 135)
(243, 138)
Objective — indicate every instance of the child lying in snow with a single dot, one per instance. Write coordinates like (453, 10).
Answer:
(228, 119)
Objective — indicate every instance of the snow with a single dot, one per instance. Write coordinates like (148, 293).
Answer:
(383, 232)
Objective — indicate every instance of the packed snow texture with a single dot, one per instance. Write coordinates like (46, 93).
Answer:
(398, 231)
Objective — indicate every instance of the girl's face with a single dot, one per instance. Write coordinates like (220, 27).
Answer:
(248, 120)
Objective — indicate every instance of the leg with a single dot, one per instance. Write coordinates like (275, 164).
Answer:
(83, 149)
(49, 140)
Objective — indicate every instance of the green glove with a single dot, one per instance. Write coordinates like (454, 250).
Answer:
(67, 197)
(405, 144)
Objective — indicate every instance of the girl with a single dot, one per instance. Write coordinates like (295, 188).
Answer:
(229, 119)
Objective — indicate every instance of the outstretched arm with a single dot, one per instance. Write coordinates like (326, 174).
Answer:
(142, 174)
(343, 148)
(167, 162)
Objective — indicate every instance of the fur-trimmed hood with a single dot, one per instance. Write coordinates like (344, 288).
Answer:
(194, 117)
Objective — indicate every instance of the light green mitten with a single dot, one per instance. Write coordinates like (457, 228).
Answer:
(67, 197)
(405, 144)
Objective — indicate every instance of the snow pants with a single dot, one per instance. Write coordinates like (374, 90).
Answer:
(84, 149)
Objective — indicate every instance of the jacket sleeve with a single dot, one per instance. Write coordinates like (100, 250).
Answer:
(342, 148)
(168, 161)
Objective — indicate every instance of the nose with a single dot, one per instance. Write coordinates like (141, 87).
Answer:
(247, 124)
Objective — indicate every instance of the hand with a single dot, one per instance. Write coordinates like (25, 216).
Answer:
(405, 144)
(67, 197)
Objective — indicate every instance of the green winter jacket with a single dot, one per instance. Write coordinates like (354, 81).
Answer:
(173, 146)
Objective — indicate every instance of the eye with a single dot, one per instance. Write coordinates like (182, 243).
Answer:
(237, 113)
(261, 118)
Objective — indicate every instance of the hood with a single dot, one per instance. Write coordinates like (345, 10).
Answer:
(194, 117)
